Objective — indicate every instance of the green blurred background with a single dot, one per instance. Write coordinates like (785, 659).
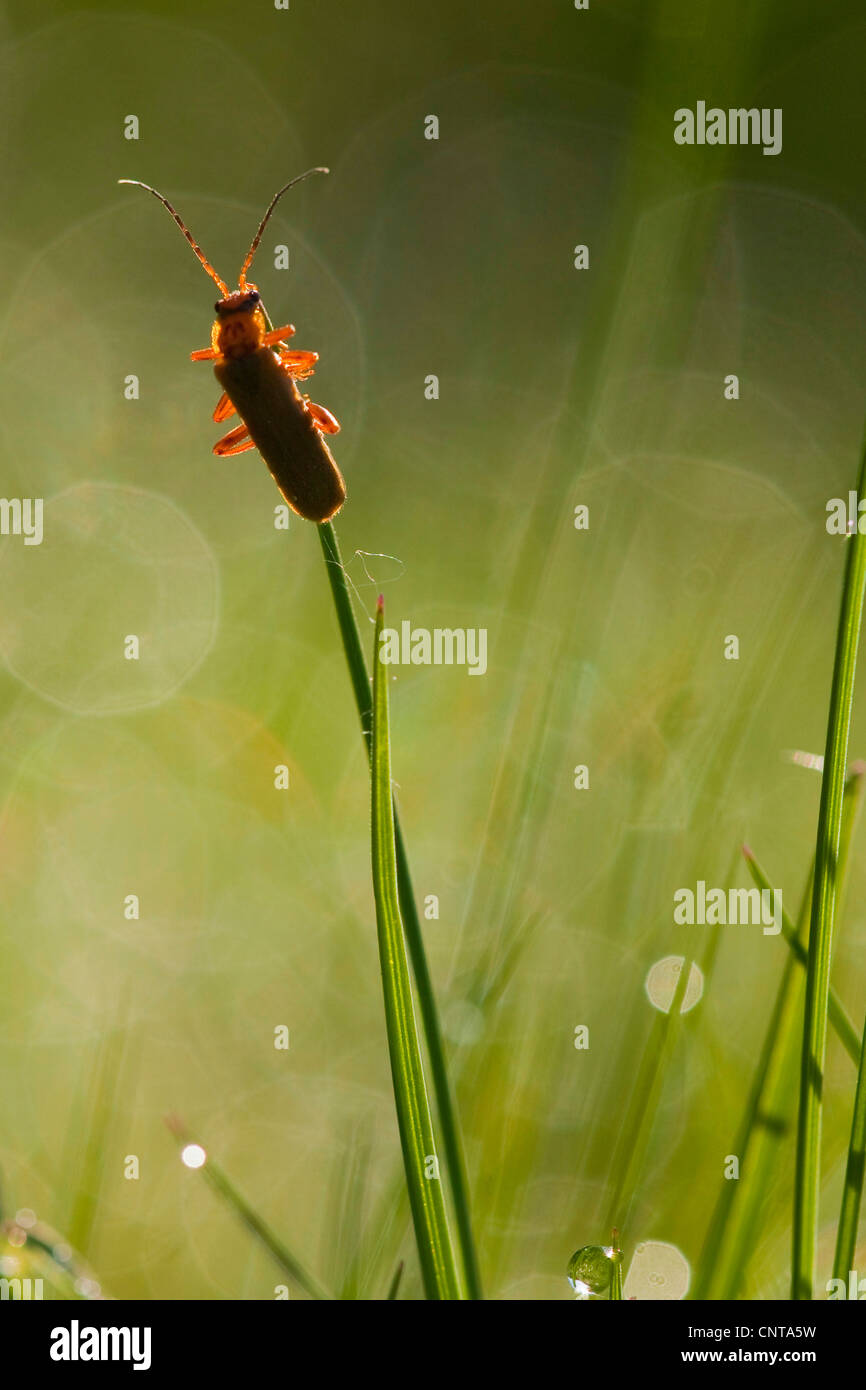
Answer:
(557, 387)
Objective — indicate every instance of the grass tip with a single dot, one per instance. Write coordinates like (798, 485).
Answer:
(175, 1125)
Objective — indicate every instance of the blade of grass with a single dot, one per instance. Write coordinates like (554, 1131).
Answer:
(852, 1193)
(635, 1134)
(47, 1254)
(93, 1127)
(807, 1175)
(385, 1230)
(88, 1131)
(836, 1013)
(225, 1188)
(483, 988)
(616, 1278)
(445, 1106)
(767, 1118)
(395, 1283)
(345, 1238)
(769, 1109)
(634, 1138)
(438, 1264)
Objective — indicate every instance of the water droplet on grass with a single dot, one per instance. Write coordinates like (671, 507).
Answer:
(590, 1270)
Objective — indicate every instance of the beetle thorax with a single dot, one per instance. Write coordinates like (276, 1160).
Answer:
(240, 324)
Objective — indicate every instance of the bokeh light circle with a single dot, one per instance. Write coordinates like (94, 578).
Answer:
(114, 562)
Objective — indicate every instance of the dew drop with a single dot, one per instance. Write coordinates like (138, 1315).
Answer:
(590, 1269)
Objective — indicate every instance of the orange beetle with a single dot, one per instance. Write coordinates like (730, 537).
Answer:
(257, 371)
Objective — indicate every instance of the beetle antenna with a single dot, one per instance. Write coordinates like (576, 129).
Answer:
(242, 278)
(194, 244)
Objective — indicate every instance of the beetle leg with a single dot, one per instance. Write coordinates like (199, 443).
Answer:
(297, 363)
(276, 335)
(325, 421)
(238, 449)
(224, 409)
(203, 355)
(237, 441)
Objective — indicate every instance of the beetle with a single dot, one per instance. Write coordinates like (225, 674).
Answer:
(258, 373)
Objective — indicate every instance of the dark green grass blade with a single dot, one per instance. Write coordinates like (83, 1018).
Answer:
(807, 1178)
(395, 1283)
(838, 1018)
(452, 1148)
(426, 1198)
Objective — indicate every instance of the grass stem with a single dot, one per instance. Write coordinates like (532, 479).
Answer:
(225, 1188)
(452, 1148)
(807, 1173)
(438, 1264)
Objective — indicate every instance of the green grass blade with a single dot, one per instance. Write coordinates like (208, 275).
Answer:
(452, 1147)
(92, 1130)
(852, 1193)
(769, 1110)
(349, 634)
(836, 1013)
(634, 1137)
(633, 1141)
(768, 1116)
(807, 1177)
(345, 1241)
(852, 805)
(616, 1278)
(225, 1188)
(46, 1254)
(438, 1264)
(395, 1283)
